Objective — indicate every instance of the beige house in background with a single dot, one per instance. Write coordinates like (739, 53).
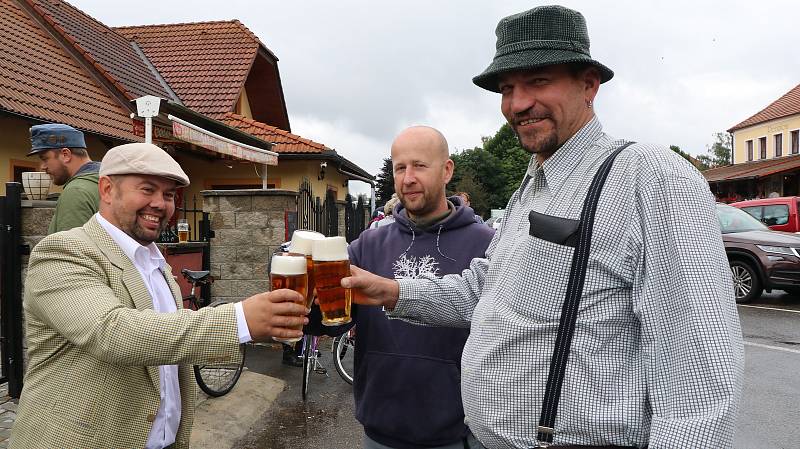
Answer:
(766, 154)
(61, 65)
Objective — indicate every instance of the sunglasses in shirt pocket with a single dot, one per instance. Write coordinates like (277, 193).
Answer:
(558, 230)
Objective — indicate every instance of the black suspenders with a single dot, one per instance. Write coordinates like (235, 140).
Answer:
(569, 311)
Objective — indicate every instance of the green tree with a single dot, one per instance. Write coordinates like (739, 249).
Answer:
(694, 161)
(384, 183)
(497, 167)
(477, 195)
(719, 153)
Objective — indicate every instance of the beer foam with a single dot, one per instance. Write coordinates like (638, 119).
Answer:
(329, 249)
(301, 241)
(288, 265)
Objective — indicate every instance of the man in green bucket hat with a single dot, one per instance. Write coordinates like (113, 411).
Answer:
(603, 313)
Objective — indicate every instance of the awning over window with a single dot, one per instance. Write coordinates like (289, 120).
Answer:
(753, 170)
(188, 132)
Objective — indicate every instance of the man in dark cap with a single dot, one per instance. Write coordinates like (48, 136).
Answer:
(633, 341)
(110, 352)
(62, 150)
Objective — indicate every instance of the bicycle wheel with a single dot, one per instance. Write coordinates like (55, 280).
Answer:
(308, 362)
(218, 379)
(343, 355)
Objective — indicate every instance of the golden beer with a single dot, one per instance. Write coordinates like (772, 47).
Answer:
(289, 271)
(334, 300)
(302, 241)
(331, 264)
(183, 231)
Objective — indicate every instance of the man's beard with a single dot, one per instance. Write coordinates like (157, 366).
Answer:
(548, 145)
(60, 177)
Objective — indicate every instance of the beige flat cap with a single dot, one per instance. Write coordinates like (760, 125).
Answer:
(142, 159)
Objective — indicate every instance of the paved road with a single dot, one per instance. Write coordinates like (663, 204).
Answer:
(768, 419)
(769, 414)
(325, 420)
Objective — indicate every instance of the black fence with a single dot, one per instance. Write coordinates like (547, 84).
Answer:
(199, 225)
(354, 217)
(314, 214)
(323, 217)
(12, 248)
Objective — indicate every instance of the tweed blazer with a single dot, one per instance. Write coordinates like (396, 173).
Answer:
(95, 344)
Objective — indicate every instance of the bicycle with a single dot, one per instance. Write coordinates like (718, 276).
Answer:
(311, 361)
(344, 350)
(214, 379)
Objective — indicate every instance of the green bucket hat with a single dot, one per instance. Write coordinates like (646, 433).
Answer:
(542, 36)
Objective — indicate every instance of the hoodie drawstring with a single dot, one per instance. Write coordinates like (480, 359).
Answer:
(414, 237)
(437, 243)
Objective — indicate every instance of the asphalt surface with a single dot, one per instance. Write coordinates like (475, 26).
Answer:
(768, 418)
(325, 420)
(769, 413)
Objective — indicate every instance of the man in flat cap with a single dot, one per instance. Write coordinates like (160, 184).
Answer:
(109, 348)
(62, 150)
(632, 341)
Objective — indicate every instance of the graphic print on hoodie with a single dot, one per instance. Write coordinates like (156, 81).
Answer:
(407, 383)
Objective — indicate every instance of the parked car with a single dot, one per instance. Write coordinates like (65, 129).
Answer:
(494, 222)
(780, 214)
(760, 258)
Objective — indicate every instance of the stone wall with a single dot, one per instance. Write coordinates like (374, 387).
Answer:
(248, 226)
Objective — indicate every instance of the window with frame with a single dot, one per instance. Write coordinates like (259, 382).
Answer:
(775, 214)
(755, 211)
(795, 141)
(762, 147)
(749, 145)
(779, 145)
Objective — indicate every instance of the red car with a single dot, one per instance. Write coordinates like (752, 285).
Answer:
(780, 214)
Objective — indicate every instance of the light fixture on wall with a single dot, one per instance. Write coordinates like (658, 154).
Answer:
(322, 166)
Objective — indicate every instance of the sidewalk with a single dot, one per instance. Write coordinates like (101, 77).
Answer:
(218, 422)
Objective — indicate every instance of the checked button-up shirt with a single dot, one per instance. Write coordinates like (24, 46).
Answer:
(657, 354)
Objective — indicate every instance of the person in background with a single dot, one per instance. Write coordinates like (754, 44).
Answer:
(62, 152)
(465, 201)
(388, 211)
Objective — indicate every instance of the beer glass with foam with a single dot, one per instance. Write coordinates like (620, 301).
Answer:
(301, 245)
(331, 264)
(289, 271)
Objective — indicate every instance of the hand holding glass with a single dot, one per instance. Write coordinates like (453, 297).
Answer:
(331, 264)
(289, 271)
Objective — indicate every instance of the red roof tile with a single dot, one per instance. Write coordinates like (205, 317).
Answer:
(110, 53)
(756, 169)
(39, 79)
(788, 104)
(206, 64)
(285, 142)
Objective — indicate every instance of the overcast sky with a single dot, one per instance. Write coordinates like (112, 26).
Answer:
(355, 72)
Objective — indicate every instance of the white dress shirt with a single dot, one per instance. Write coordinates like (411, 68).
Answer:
(150, 263)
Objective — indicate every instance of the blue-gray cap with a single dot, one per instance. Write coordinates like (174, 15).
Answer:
(54, 136)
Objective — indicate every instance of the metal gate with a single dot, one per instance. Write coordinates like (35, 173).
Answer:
(323, 217)
(12, 248)
(314, 214)
(354, 217)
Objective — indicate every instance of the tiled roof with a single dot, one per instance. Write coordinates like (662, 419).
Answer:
(788, 104)
(285, 142)
(110, 53)
(205, 64)
(756, 169)
(39, 79)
